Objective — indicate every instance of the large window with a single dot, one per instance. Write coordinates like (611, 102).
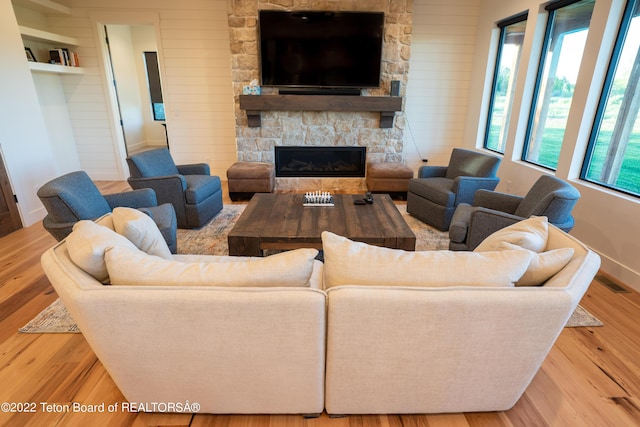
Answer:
(565, 37)
(502, 89)
(613, 154)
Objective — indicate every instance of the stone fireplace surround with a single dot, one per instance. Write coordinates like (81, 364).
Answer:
(320, 128)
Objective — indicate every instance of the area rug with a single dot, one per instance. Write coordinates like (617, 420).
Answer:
(54, 319)
(582, 318)
(212, 240)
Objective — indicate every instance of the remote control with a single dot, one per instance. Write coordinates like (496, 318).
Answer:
(359, 202)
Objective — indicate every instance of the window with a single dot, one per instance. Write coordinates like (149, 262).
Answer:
(565, 37)
(613, 153)
(155, 88)
(502, 89)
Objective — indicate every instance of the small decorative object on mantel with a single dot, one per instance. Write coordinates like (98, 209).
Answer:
(318, 198)
(252, 89)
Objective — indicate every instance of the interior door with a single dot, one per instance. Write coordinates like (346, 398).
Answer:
(9, 216)
(115, 89)
(132, 56)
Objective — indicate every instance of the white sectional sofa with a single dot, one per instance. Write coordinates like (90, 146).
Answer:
(429, 349)
(373, 330)
(228, 349)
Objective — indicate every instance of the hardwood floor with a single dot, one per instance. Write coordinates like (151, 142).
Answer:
(590, 378)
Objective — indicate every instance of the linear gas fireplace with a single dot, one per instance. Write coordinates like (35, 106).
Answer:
(320, 161)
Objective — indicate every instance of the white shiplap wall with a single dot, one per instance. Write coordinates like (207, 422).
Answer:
(196, 76)
(195, 62)
(442, 54)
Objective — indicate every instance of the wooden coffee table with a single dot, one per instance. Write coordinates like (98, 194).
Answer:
(280, 221)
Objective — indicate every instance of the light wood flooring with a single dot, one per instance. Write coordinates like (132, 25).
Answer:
(590, 378)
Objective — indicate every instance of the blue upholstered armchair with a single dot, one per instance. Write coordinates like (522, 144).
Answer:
(73, 197)
(492, 211)
(193, 192)
(435, 193)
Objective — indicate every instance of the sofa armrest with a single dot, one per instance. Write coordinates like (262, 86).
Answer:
(141, 198)
(499, 201)
(431, 171)
(465, 187)
(194, 169)
(59, 230)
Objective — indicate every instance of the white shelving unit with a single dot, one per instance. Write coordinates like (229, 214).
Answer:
(46, 37)
(43, 67)
(52, 40)
(45, 6)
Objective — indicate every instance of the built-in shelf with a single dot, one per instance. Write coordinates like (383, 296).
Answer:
(46, 37)
(385, 105)
(57, 40)
(43, 67)
(44, 6)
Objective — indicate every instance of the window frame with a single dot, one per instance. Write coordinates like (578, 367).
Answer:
(551, 18)
(503, 24)
(612, 68)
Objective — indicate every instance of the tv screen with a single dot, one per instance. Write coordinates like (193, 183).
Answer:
(320, 49)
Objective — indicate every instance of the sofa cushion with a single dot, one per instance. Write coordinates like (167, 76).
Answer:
(141, 230)
(543, 265)
(353, 263)
(531, 234)
(87, 244)
(132, 267)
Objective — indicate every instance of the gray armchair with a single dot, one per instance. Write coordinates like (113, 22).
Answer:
(435, 193)
(492, 211)
(195, 195)
(73, 197)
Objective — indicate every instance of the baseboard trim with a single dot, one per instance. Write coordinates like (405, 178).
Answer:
(620, 273)
(32, 216)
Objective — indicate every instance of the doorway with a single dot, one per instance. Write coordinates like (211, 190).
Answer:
(132, 53)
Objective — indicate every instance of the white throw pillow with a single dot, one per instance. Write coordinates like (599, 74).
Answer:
(543, 265)
(87, 243)
(106, 221)
(141, 230)
(353, 263)
(531, 234)
(135, 268)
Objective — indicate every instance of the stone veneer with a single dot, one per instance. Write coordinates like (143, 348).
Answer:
(320, 128)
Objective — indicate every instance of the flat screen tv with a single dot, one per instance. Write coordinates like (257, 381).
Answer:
(313, 49)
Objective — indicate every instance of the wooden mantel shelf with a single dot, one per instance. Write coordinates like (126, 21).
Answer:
(385, 105)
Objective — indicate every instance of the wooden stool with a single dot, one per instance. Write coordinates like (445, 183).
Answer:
(392, 178)
(247, 178)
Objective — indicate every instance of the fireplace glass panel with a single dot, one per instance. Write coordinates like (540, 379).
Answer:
(320, 161)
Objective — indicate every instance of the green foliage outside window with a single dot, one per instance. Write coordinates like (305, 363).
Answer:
(508, 58)
(613, 156)
(564, 45)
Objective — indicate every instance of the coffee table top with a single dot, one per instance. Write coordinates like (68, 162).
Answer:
(280, 221)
